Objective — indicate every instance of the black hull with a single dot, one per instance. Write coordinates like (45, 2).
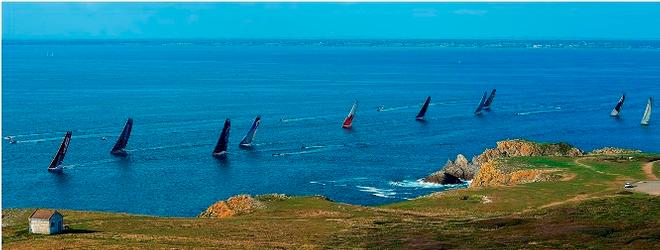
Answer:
(245, 146)
(55, 170)
(120, 153)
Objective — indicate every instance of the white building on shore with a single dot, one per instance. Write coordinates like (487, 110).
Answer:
(46, 221)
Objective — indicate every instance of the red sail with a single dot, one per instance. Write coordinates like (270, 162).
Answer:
(348, 122)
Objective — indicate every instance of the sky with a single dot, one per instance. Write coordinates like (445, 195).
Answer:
(331, 20)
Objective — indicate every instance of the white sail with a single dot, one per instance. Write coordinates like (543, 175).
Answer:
(647, 113)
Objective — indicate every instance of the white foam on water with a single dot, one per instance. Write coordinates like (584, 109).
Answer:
(384, 193)
(297, 119)
(554, 109)
(420, 183)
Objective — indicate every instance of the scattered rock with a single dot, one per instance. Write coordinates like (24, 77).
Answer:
(272, 197)
(236, 205)
(613, 151)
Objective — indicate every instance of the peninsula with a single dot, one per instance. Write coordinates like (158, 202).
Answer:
(522, 195)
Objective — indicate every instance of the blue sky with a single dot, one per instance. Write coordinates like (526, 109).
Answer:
(331, 20)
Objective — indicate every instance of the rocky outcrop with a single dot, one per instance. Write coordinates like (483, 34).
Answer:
(613, 151)
(494, 173)
(453, 171)
(236, 205)
(443, 178)
(517, 147)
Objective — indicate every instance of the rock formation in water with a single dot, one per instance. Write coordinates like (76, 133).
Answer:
(486, 169)
(453, 171)
(236, 205)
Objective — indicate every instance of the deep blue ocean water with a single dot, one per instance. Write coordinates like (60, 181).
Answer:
(180, 93)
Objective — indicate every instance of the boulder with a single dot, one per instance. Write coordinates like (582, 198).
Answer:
(236, 205)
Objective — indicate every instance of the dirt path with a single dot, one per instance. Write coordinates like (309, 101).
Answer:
(648, 170)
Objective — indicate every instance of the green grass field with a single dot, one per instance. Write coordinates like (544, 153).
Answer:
(586, 208)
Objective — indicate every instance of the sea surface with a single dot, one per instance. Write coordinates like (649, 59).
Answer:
(180, 93)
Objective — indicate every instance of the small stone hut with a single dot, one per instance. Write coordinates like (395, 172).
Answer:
(46, 221)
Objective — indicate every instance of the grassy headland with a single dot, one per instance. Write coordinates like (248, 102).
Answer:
(581, 205)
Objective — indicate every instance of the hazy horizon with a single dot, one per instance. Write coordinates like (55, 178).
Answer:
(312, 21)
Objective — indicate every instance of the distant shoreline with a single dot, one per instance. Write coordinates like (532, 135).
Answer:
(384, 43)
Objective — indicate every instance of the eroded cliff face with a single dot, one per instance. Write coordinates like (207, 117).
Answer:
(236, 205)
(487, 169)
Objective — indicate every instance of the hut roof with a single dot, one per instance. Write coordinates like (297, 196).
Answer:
(43, 214)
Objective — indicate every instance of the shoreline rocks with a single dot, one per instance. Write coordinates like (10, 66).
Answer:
(613, 151)
(454, 171)
(484, 168)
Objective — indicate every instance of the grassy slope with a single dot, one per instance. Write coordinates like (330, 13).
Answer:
(589, 210)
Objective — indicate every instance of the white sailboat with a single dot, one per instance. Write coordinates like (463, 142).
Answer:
(647, 112)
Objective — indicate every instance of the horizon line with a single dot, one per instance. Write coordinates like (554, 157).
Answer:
(334, 39)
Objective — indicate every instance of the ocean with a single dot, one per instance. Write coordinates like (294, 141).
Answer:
(180, 92)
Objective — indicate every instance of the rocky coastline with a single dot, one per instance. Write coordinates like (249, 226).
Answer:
(488, 168)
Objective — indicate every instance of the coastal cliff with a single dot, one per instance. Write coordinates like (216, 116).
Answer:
(487, 169)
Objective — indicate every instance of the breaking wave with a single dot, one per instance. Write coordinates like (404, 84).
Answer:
(384, 193)
(420, 183)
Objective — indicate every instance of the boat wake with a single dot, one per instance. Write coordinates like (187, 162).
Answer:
(555, 109)
(60, 138)
(309, 150)
(183, 145)
(299, 119)
(91, 163)
(395, 108)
